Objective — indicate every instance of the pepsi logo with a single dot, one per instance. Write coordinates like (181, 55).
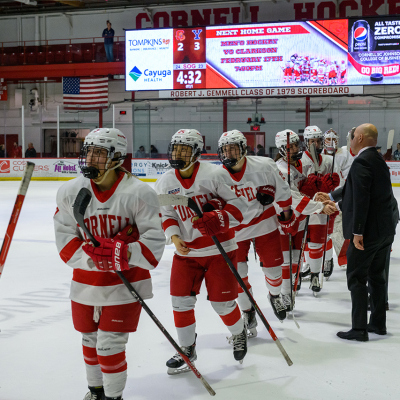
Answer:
(4, 167)
(360, 34)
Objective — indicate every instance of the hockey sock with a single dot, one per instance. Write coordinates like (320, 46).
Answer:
(93, 372)
(273, 279)
(111, 355)
(329, 250)
(286, 277)
(243, 300)
(230, 315)
(184, 317)
(314, 256)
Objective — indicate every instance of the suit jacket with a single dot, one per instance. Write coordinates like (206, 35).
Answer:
(366, 200)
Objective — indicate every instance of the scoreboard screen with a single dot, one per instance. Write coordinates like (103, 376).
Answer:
(284, 54)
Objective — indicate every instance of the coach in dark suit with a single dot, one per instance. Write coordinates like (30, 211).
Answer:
(367, 203)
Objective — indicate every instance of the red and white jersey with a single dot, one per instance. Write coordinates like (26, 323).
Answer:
(129, 201)
(204, 184)
(287, 71)
(258, 220)
(343, 161)
(302, 205)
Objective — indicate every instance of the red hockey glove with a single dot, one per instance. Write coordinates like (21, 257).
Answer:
(112, 254)
(328, 183)
(214, 204)
(309, 186)
(266, 194)
(129, 234)
(212, 223)
(290, 226)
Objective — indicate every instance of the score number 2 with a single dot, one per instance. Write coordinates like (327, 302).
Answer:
(196, 46)
(189, 77)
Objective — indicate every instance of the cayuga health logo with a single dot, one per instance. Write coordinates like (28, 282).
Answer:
(135, 73)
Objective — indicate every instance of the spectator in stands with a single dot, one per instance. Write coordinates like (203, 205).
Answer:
(260, 150)
(108, 35)
(2, 151)
(250, 151)
(141, 153)
(153, 151)
(396, 154)
(16, 151)
(30, 151)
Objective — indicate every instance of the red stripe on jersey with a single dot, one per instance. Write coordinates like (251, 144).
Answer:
(234, 211)
(57, 210)
(302, 205)
(237, 176)
(268, 213)
(148, 255)
(169, 222)
(187, 183)
(70, 248)
(206, 241)
(285, 203)
(184, 318)
(90, 355)
(113, 364)
(104, 196)
(232, 318)
(107, 278)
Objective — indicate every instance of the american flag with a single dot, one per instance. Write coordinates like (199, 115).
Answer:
(85, 93)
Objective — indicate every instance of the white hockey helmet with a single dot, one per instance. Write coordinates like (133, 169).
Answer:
(281, 143)
(111, 139)
(331, 141)
(313, 132)
(234, 137)
(187, 137)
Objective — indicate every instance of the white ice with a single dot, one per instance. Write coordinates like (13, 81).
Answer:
(41, 357)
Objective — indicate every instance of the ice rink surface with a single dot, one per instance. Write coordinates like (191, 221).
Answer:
(41, 356)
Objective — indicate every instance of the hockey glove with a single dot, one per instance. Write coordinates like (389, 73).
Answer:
(112, 254)
(290, 226)
(129, 234)
(266, 194)
(214, 204)
(212, 223)
(328, 183)
(309, 186)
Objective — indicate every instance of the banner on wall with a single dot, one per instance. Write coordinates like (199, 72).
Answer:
(394, 169)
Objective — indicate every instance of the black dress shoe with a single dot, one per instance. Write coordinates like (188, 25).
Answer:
(374, 329)
(352, 334)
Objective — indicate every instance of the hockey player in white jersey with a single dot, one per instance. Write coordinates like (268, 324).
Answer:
(257, 180)
(123, 213)
(342, 163)
(301, 204)
(324, 180)
(196, 257)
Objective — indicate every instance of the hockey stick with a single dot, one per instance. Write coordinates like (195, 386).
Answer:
(388, 154)
(303, 246)
(171, 199)
(290, 235)
(81, 203)
(23, 188)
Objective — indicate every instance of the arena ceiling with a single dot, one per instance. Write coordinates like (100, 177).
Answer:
(24, 7)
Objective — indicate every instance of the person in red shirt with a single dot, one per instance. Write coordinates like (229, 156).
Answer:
(16, 151)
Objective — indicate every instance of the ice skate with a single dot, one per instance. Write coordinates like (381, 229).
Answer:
(305, 274)
(250, 321)
(298, 282)
(176, 365)
(239, 345)
(328, 269)
(96, 393)
(287, 302)
(278, 306)
(315, 286)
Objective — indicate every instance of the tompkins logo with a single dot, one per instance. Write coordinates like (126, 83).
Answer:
(5, 167)
(145, 42)
(135, 73)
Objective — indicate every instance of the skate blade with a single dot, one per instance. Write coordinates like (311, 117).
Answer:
(241, 362)
(315, 294)
(178, 371)
(252, 333)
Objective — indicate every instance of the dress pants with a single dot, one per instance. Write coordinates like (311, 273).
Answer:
(364, 266)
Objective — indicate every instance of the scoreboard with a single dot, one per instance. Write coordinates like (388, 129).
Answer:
(285, 54)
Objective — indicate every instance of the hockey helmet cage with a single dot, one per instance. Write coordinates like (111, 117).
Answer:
(233, 137)
(187, 137)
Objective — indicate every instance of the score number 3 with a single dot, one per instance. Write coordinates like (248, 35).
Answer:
(189, 78)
